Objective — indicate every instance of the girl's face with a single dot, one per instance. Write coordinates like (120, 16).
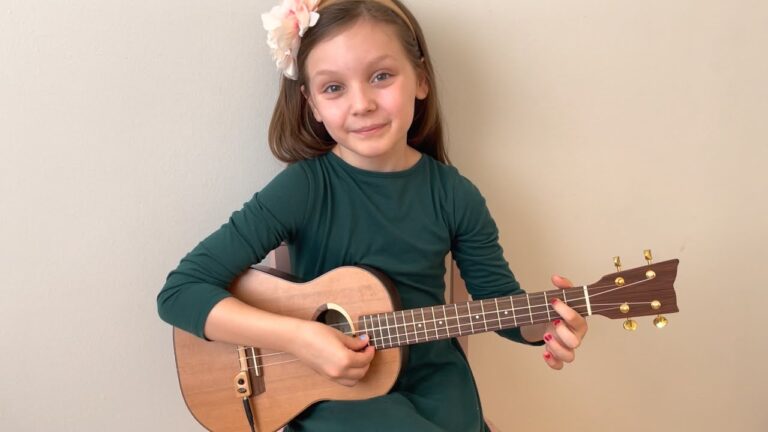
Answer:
(362, 87)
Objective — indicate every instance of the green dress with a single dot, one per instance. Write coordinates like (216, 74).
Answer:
(403, 223)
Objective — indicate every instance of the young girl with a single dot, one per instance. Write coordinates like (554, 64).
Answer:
(368, 182)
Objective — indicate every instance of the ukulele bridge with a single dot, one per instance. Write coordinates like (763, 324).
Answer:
(243, 379)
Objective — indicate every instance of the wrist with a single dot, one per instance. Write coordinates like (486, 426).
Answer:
(293, 334)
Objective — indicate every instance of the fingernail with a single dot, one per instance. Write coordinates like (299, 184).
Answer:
(363, 337)
(554, 300)
(556, 322)
(547, 337)
(547, 355)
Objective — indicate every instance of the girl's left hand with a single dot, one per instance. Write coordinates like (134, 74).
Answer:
(563, 335)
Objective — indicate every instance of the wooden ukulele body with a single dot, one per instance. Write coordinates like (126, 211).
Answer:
(207, 370)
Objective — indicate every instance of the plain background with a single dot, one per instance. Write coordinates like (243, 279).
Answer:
(129, 130)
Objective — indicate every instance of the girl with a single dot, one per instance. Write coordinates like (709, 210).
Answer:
(368, 182)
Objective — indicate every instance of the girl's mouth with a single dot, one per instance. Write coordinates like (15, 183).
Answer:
(369, 130)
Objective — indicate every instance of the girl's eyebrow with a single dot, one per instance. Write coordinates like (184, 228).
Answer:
(373, 61)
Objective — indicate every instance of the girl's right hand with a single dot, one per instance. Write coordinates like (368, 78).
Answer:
(341, 358)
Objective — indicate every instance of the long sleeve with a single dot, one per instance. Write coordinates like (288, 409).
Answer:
(201, 279)
(476, 249)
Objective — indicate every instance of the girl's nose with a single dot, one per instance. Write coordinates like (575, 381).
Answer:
(363, 101)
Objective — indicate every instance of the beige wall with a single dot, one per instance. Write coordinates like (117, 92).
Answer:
(129, 130)
(602, 128)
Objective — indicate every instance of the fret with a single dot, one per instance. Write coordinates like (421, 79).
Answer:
(422, 327)
(471, 318)
(371, 335)
(530, 313)
(474, 316)
(397, 329)
(538, 314)
(490, 315)
(441, 324)
(378, 331)
(365, 329)
(429, 322)
(413, 318)
(485, 322)
(565, 300)
(406, 334)
(522, 305)
(498, 315)
(507, 316)
(406, 331)
(411, 329)
(546, 305)
(388, 329)
(456, 317)
(404, 328)
(512, 304)
(464, 316)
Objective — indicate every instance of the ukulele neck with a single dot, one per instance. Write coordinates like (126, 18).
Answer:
(413, 326)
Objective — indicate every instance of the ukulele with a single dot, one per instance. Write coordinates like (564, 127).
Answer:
(230, 388)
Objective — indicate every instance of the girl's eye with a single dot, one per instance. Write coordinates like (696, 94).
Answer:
(333, 88)
(381, 76)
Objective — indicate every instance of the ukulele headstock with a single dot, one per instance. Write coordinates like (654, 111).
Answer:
(641, 291)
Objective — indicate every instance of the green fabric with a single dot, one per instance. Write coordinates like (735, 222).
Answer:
(403, 223)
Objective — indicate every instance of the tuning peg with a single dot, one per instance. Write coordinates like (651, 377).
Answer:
(630, 325)
(617, 263)
(660, 321)
(648, 256)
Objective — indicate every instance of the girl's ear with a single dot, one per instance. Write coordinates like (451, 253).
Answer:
(422, 87)
(315, 113)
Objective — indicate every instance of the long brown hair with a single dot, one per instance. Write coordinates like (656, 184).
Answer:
(294, 134)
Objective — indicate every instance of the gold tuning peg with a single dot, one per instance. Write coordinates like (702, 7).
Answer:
(630, 325)
(617, 263)
(660, 321)
(648, 256)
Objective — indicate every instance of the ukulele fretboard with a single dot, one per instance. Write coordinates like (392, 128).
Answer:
(412, 326)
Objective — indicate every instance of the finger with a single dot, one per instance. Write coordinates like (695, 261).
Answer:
(351, 376)
(362, 358)
(571, 317)
(557, 349)
(565, 334)
(552, 361)
(359, 373)
(355, 343)
(561, 282)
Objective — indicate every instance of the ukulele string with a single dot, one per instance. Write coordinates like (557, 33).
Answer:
(609, 288)
(296, 359)
(427, 337)
(512, 309)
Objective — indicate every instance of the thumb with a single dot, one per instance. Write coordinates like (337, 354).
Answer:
(561, 282)
(356, 343)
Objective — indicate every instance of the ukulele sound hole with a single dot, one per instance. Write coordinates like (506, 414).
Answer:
(336, 319)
